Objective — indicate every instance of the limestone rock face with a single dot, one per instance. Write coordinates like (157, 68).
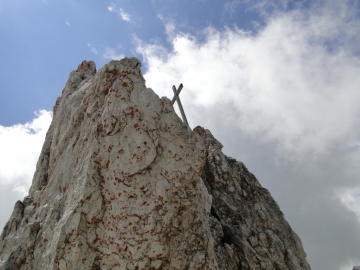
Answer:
(117, 185)
(123, 183)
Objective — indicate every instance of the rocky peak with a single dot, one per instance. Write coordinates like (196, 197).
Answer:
(123, 183)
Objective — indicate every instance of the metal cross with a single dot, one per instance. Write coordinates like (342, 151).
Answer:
(177, 98)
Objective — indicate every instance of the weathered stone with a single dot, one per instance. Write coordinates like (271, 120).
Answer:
(123, 183)
(248, 228)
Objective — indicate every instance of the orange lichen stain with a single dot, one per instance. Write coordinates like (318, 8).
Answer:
(107, 164)
(136, 215)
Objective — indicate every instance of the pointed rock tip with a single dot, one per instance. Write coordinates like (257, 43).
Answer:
(208, 138)
(87, 67)
(131, 63)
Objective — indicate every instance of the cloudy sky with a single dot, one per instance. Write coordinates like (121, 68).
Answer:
(276, 81)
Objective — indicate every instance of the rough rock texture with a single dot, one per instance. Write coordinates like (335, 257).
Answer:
(249, 229)
(123, 183)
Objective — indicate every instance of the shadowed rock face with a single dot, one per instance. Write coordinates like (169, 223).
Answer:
(122, 183)
(249, 229)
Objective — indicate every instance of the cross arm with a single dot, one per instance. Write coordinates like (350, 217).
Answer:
(176, 93)
(179, 102)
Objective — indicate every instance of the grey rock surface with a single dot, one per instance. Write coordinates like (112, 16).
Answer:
(249, 229)
(123, 183)
(356, 268)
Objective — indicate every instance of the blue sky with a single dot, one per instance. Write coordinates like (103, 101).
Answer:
(41, 41)
(277, 82)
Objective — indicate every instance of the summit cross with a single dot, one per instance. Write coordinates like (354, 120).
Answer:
(177, 99)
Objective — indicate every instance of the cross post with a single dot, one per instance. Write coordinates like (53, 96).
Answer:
(177, 98)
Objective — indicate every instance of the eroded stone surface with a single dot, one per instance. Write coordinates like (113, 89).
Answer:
(118, 186)
(249, 229)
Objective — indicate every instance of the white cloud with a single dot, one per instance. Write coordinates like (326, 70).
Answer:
(124, 16)
(111, 7)
(350, 197)
(295, 82)
(111, 53)
(170, 28)
(20, 149)
(231, 6)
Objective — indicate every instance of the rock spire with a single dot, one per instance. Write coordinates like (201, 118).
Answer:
(122, 183)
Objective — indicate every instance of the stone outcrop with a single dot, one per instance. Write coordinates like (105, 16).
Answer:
(249, 229)
(123, 183)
